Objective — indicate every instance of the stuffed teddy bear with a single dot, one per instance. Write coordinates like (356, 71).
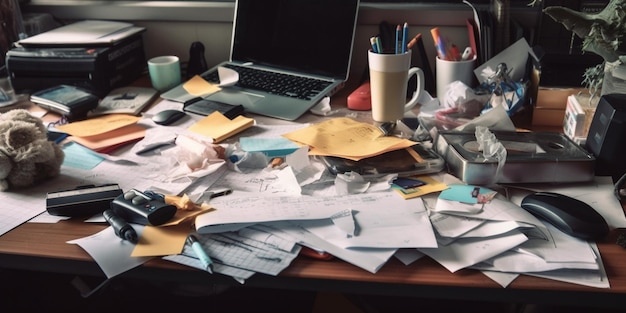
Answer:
(26, 155)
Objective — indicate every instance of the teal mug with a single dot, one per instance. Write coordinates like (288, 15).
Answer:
(164, 72)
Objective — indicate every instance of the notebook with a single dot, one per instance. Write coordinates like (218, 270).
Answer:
(305, 38)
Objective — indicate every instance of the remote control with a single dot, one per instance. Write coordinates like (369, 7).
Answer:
(137, 207)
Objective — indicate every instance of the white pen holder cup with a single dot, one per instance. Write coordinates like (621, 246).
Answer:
(389, 77)
(451, 71)
(164, 72)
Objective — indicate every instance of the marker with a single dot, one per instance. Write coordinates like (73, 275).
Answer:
(405, 35)
(454, 53)
(121, 228)
(439, 44)
(466, 54)
(379, 45)
(373, 43)
(200, 253)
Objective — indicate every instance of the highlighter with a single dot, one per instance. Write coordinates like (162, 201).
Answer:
(439, 43)
(200, 253)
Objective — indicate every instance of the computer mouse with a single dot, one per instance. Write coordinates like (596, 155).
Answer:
(167, 117)
(572, 216)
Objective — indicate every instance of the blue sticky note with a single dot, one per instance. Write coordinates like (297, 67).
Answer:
(463, 193)
(78, 156)
(272, 147)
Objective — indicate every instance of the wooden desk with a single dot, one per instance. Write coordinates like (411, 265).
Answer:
(43, 247)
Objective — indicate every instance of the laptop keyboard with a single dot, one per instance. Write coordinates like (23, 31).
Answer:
(274, 83)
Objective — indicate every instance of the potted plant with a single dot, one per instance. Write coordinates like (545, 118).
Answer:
(603, 34)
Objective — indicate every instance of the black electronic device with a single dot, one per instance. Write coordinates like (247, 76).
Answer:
(605, 139)
(415, 160)
(66, 100)
(97, 69)
(82, 201)
(121, 228)
(167, 117)
(136, 207)
(570, 215)
(206, 107)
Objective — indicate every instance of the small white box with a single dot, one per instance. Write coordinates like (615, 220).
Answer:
(574, 120)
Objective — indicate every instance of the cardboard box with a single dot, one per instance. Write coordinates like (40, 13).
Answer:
(551, 104)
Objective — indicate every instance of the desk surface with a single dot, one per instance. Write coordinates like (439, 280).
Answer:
(43, 247)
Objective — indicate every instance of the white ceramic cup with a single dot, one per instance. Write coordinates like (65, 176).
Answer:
(389, 77)
(164, 72)
(451, 71)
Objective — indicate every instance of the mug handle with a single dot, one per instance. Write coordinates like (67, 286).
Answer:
(419, 87)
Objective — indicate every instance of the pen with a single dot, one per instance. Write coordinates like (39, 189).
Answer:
(156, 145)
(200, 253)
(220, 193)
(121, 228)
(405, 35)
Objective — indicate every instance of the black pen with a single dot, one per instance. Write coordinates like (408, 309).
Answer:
(220, 193)
(154, 146)
(120, 226)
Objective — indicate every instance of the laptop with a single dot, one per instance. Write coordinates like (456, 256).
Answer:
(306, 39)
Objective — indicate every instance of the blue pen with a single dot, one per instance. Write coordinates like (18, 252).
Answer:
(405, 36)
(200, 253)
(398, 39)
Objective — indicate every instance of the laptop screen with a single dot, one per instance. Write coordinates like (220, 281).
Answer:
(307, 36)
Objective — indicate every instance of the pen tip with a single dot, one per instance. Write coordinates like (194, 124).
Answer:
(209, 269)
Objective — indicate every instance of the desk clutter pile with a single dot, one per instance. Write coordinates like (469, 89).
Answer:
(256, 203)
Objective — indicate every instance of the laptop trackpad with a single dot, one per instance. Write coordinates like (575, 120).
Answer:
(235, 97)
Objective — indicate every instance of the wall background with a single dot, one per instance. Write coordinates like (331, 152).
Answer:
(173, 25)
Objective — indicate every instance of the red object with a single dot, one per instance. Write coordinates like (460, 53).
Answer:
(306, 251)
(361, 98)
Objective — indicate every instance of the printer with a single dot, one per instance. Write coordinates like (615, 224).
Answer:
(99, 65)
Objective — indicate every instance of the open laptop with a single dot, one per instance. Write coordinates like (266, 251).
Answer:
(305, 38)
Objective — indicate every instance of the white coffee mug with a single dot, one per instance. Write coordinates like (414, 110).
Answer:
(389, 77)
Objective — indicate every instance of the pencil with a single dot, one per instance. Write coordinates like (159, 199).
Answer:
(413, 41)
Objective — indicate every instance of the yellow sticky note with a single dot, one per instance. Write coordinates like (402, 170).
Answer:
(220, 127)
(157, 241)
(98, 125)
(197, 86)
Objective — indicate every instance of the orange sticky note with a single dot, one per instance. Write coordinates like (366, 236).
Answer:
(197, 86)
(219, 127)
(98, 125)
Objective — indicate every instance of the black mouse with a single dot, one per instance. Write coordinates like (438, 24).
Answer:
(571, 216)
(167, 117)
